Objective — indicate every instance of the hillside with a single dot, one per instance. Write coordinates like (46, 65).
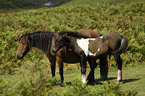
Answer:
(27, 4)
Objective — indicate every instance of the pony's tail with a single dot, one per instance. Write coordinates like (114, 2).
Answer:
(123, 46)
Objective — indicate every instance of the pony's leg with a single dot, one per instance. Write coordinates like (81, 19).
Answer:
(60, 63)
(103, 67)
(93, 64)
(119, 65)
(83, 67)
(53, 64)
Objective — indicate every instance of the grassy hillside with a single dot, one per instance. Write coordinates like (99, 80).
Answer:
(125, 17)
(96, 2)
(27, 4)
(13, 4)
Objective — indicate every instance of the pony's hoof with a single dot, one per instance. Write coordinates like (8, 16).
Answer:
(61, 85)
(91, 80)
(119, 80)
(103, 78)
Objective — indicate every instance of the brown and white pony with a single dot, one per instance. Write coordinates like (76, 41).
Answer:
(93, 48)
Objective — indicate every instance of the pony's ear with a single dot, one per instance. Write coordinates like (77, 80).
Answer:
(24, 33)
(29, 38)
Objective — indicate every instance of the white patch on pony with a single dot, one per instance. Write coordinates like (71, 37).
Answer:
(83, 78)
(84, 45)
(101, 37)
(119, 75)
(91, 54)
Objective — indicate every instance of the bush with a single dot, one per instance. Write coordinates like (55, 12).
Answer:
(106, 89)
(29, 80)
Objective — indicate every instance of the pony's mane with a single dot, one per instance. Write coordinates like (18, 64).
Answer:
(35, 32)
(74, 34)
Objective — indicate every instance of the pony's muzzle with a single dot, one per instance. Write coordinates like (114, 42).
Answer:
(54, 50)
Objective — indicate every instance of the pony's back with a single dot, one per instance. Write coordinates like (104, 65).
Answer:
(89, 32)
(117, 43)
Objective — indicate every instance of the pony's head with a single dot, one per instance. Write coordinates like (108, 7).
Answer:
(60, 41)
(24, 43)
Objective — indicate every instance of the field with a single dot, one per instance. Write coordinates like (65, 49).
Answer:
(43, 85)
(31, 76)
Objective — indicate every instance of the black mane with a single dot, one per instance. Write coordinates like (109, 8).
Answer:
(40, 39)
(74, 34)
(33, 33)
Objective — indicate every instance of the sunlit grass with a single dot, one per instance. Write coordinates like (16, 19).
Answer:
(28, 81)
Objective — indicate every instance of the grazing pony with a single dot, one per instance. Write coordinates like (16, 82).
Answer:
(45, 40)
(93, 48)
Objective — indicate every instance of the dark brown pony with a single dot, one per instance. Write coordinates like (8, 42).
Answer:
(93, 48)
(45, 40)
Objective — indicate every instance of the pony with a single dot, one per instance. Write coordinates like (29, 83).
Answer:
(93, 48)
(45, 40)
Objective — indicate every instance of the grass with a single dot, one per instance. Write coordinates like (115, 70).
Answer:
(133, 79)
(94, 3)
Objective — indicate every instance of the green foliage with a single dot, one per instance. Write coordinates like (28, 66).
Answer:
(102, 16)
(34, 79)
(112, 89)
(76, 88)
(125, 19)
(30, 80)
(106, 89)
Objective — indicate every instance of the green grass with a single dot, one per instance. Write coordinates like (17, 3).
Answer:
(134, 78)
(28, 81)
(96, 2)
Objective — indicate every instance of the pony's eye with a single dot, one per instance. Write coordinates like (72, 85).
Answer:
(56, 41)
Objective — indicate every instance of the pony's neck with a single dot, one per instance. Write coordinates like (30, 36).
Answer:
(73, 44)
(42, 41)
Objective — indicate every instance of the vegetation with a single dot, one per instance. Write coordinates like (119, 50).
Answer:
(21, 3)
(30, 75)
(28, 81)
